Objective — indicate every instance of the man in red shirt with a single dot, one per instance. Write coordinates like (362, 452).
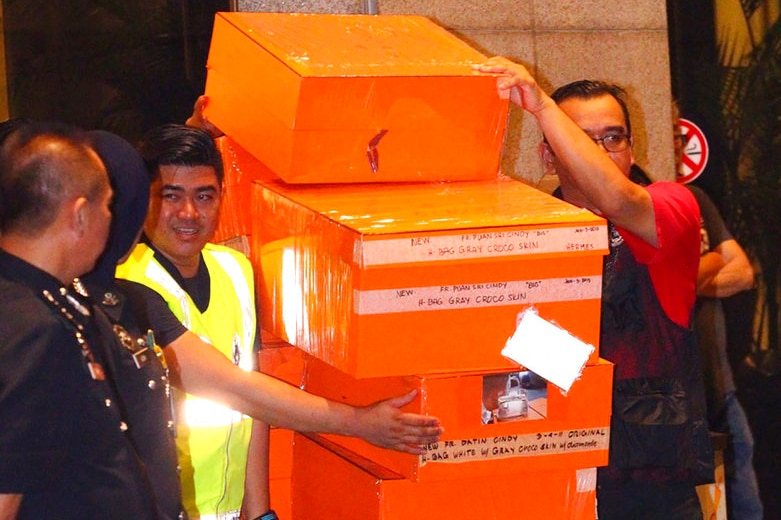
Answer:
(660, 448)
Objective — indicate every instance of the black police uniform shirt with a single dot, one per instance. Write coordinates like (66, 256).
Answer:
(63, 440)
(143, 387)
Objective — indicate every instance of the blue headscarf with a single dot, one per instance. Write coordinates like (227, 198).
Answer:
(130, 182)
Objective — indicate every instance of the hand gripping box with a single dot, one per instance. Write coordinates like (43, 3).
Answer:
(555, 431)
(354, 98)
(398, 279)
(330, 483)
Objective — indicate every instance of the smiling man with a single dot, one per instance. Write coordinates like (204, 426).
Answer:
(210, 290)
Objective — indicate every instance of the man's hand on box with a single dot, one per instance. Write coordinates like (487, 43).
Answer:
(515, 82)
(384, 424)
(198, 120)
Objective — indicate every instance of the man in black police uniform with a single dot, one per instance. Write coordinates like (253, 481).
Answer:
(63, 447)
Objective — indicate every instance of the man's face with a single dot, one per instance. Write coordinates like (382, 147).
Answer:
(600, 117)
(183, 212)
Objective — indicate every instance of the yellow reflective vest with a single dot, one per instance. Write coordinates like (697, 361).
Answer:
(212, 440)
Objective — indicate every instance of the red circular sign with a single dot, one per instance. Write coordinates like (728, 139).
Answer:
(693, 151)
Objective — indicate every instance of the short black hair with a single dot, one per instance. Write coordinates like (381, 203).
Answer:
(41, 165)
(176, 144)
(590, 89)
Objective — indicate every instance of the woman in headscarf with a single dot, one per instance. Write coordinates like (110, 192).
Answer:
(139, 372)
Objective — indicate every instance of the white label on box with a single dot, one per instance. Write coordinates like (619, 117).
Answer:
(480, 244)
(476, 295)
(547, 350)
(511, 446)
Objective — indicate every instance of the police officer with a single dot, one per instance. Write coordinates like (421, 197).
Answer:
(64, 448)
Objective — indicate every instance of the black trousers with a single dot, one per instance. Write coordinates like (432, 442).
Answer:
(632, 500)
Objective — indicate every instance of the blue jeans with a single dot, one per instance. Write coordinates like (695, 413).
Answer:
(743, 502)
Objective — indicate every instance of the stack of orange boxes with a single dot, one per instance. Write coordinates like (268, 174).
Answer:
(390, 256)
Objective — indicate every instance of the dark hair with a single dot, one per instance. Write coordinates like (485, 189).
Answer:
(9, 126)
(175, 144)
(590, 89)
(42, 164)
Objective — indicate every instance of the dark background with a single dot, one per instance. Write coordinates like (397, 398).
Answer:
(118, 65)
(697, 79)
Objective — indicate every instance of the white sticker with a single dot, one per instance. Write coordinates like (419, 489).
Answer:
(476, 295)
(547, 350)
(480, 244)
(512, 446)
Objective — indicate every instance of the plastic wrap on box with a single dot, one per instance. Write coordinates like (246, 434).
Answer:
(235, 223)
(397, 279)
(571, 431)
(354, 98)
(328, 482)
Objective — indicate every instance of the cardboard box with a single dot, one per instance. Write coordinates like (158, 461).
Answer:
(354, 98)
(560, 431)
(713, 497)
(329, 483)
(398, 279)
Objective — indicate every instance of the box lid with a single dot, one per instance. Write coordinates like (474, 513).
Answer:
(338, 45)
(354, 98)
(375, 209)
(430, 222)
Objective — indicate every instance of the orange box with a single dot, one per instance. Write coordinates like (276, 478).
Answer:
(281, 453)
(240, 170)
(354, 98)
(280, 470)
(397, 279)
(330, 483)
(569, 431)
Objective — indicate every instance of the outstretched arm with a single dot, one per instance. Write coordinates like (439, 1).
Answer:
(199, 369)
(607, 189)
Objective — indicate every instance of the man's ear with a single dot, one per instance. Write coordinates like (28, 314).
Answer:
(545, 153)
(547, 156)
(78, 214)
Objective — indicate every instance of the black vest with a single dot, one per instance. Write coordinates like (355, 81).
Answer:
(658, 427)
